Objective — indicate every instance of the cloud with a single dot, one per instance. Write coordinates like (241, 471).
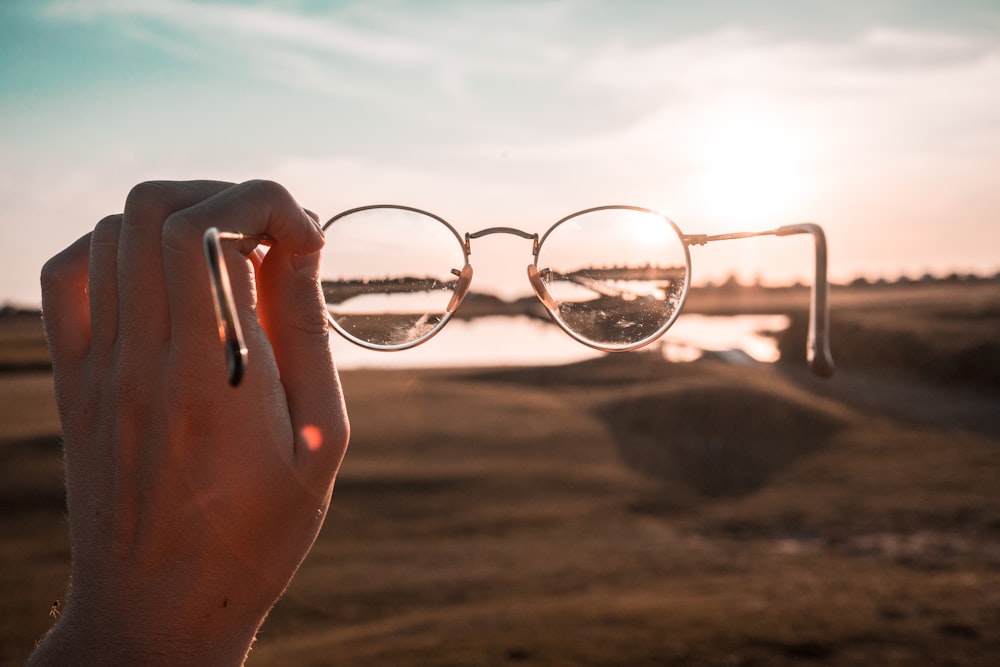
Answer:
(218, 23)
(740, 57)
(541, 82)
(495, 109)
(355, 50)
(318, 54)
(891, 82)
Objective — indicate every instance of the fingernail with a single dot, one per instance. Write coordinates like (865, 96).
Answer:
(314, 219)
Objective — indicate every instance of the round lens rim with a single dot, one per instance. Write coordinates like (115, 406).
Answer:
(447, 315)
(626, 347)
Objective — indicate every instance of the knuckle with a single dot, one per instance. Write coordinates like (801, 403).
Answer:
(53, 272)
(270, 190)
(182, 230)
(65, 272)
(312, 322)
(273, 196)
(107, 230)
(149, 198)
(63, 268)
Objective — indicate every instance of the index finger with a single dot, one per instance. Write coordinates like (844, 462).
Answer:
(253, 208)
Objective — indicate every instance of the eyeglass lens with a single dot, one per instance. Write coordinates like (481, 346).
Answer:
(389, 275)
(615, 278)
(618, 276)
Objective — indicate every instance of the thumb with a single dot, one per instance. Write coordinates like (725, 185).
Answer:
(292, 312)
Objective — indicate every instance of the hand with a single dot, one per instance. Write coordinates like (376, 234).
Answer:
(191, 503)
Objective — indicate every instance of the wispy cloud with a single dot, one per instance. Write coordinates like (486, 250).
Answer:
(318, 54)
(355, 49)
(888, 123)
(899, 80)
(542, 66)
(219, 23)
(752, 58)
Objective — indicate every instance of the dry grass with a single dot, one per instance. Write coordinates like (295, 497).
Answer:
(626, 511)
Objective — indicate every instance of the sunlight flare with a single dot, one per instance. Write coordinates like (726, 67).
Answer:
(751, 165)
(312, 436)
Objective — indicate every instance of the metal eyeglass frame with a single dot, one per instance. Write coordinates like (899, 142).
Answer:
(237, 355)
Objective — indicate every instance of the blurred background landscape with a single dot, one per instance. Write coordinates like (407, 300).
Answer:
(705, 501)
(625, 509)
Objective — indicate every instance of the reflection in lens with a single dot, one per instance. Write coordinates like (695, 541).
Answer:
(617, 275)
(389, 274)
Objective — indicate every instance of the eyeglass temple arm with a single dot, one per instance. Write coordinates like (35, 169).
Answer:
(818, 341)
(230, 331)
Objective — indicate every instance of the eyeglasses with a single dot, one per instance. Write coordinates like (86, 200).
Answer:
(614, 278)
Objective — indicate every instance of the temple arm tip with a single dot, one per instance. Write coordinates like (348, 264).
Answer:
(822, 364)
(818, 351)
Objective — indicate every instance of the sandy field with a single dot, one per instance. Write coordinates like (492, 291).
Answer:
(624, 510)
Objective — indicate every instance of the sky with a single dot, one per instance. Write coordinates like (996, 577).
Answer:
(879, 119)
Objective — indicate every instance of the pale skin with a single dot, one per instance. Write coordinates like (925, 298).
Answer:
(191, 503)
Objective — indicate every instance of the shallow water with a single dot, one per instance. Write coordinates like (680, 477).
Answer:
(524, 341)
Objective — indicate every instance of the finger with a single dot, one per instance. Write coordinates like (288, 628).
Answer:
(144, 319)
(66, 306)
(103, 285)
(293, 314)
(255, 207)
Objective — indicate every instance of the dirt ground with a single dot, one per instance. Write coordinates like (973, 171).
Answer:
(628, 511)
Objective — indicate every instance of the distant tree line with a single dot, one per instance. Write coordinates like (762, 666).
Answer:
(733, 281)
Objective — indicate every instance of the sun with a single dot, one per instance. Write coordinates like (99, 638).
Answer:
(751, 166)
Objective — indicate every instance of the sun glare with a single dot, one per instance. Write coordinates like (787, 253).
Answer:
(312, 436)
(751, 166)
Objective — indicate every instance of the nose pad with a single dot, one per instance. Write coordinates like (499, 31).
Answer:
(462, 288)
(538, 284)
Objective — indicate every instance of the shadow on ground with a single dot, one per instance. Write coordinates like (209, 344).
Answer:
(718, 441)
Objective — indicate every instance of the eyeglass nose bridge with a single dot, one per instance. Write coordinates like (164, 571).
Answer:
(535, 277)
(502, 230)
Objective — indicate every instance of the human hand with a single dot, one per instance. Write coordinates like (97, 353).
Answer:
(191, 503)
